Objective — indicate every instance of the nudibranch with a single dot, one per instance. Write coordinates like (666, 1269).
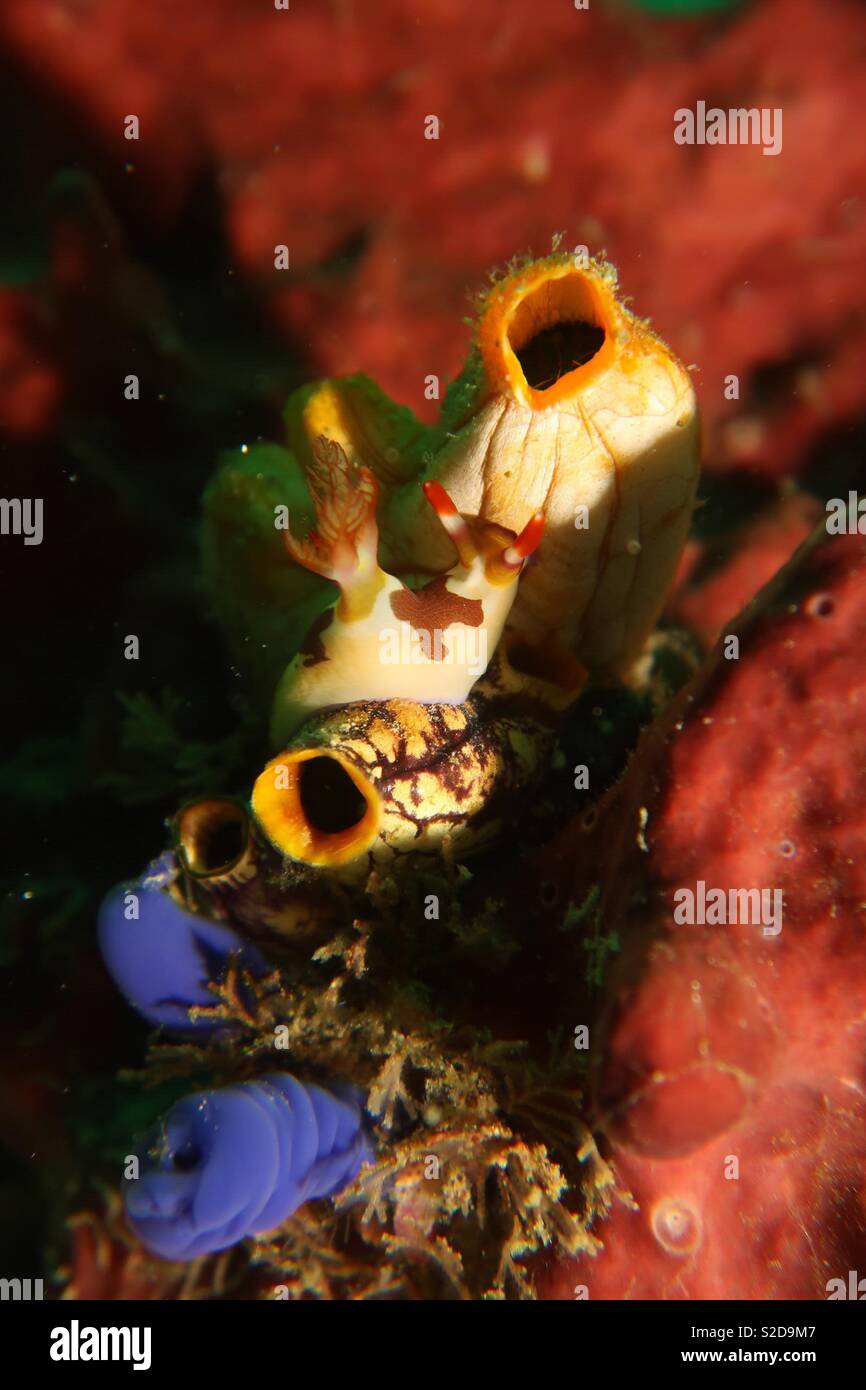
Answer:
(569, 405)
(383, 640)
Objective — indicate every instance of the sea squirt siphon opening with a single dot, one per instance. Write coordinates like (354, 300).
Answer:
(316, 807)
(555, 329)
(554, 352)
(211, 836)
(330, 800)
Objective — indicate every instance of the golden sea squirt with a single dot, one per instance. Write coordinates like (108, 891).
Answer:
(572, 406)
(569, 406)
(364, 783)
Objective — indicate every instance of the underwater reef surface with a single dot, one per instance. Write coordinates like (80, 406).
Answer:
(728, 1084)
(748, 265)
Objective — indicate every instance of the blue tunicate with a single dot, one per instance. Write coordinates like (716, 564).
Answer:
(161, 956)
(238, 1161)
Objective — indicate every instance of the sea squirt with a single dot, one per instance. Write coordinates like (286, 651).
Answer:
(569, 405)
(162, 956)
(235, 1162)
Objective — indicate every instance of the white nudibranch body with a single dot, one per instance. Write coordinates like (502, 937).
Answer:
(383, 640)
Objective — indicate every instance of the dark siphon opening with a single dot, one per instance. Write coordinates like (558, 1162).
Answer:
(214, 837)
(222, 845)
(556, 351)
(186, 1159)
(329, 798)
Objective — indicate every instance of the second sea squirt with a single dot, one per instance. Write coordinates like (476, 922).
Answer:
(569, 405)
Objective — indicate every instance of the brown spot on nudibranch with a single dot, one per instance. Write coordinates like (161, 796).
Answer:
(433, 609)
(312, 649)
